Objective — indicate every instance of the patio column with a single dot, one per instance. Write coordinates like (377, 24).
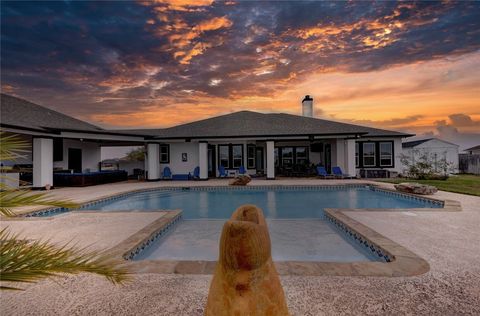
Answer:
(350, 157)
(270, 160)
(153, 163)
(42, 162)
(203, 160)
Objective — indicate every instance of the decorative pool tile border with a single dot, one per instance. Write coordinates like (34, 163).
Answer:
(138, 242)
(58, 210)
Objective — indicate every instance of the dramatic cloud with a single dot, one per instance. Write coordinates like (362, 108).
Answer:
(159, 63)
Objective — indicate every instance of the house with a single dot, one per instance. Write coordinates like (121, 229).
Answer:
(436, 149)
(265, 144)
(473, 150)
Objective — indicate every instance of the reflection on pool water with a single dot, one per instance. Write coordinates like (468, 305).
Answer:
(282, 203)
(295, 218)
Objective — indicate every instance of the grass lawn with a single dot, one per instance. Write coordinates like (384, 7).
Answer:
(465, 183)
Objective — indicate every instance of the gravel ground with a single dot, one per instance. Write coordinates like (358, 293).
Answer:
(450, 242)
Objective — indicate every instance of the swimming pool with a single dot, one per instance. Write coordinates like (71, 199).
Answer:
(276, 202)
(295, 216)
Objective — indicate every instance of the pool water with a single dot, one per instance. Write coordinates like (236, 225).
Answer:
(295, 218)
(279, 203)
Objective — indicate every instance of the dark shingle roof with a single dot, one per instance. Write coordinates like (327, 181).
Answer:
(473, 148)
(21, 113)
(414, 143)
(247, 123)
(24, 114)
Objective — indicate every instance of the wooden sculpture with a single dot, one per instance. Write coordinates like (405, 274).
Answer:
(245, 281)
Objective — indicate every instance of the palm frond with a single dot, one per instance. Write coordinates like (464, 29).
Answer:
(10, 199)
(11, 146)
(30, 261)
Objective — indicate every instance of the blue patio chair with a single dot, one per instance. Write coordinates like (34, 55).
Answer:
(322, 172)
(338, 173)
(221, 172)
(196, 173)
(167, 173)
(242, 170)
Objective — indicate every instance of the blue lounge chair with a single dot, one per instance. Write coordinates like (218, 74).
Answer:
(196, 173)
(167, 173)
(322, 172)
(242, 170)
(338, 173)
(221, 172)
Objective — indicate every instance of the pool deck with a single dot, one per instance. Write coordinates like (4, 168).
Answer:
(448, 241)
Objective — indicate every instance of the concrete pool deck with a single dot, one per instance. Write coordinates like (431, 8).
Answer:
(449, 241)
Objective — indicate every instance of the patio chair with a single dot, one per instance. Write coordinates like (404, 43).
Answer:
(221, 172)
(322, 173)
(167, 173)
(196, 173)
(338, 173)
(242, 170)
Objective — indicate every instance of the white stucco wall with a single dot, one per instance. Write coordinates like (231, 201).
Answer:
(91, 154)
(177, 166)
(397, 151)
(434, 146)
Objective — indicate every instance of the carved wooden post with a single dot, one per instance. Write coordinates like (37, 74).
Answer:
(245, 280)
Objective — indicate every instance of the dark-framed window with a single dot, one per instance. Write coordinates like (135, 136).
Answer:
(386, 154)
(230, 156)
(369, 154)
(251, 156)
(375, 154)
(237, 156)
(287, 156)
(301, 155)
(357, 155)
(224, 156)
(164, 153)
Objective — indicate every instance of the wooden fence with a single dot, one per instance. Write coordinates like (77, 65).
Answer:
(469, 163)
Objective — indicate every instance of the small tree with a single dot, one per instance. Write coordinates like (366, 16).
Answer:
(137, 154)
(424, 165)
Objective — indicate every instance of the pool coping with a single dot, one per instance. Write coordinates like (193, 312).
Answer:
(400, 260)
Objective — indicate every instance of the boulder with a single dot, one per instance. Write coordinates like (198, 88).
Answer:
(245, 281)
(242, 179)
(416, 188)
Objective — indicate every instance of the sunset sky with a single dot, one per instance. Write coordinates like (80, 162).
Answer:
(405, 66)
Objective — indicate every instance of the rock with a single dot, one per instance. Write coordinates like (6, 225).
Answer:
(416, 188)
(245, 281)
(242, 179)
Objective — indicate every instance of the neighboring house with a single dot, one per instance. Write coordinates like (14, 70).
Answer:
(473, 151)
(265, 144)
(437, 150)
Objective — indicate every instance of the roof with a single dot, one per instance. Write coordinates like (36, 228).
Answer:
(249, 124)
(473, 148)
(415, 143)
(22, 113)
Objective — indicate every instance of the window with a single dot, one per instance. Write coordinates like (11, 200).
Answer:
(386, 154)
(368, 154)
(237, 154)
(230, 156)
(287, 156)
(164, 153)
(251, 156)
(357, 155)
(301, 156)
(224, 156)
(277, 156)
